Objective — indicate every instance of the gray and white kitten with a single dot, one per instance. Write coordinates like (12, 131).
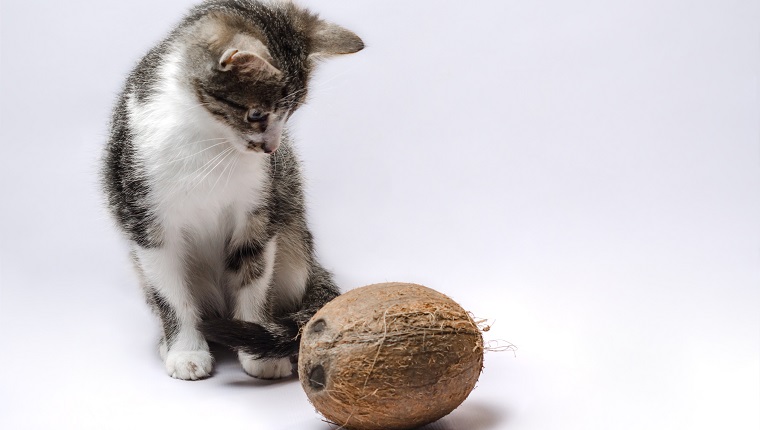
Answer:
(201, 177)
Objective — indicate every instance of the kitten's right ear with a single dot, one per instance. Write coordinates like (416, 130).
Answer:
(329, 39)
(246, 62)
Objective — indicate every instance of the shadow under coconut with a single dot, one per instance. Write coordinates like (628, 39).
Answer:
(470, 416)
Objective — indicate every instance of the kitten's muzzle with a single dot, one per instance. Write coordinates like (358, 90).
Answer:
(264, 147)
(266, 141)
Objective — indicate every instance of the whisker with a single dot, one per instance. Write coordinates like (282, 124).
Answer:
(293, 95)
(204, 140)
(205, 166)
(192, 155)
(274, 161)
(226, 153)
(195, 107)
(283, 158)
(234, 166)
(229, 163)
(317, 85)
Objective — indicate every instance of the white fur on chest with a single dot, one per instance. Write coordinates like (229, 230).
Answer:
(200, 185)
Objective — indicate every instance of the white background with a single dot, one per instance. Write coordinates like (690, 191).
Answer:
(584, 173)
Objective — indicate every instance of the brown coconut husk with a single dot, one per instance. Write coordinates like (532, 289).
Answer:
(389, 356)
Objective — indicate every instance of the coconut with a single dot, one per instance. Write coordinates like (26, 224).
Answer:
(389, 356)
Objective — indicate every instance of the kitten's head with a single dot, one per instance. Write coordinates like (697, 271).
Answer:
(250, 66)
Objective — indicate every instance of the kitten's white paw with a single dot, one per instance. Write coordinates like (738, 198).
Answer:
(266, 369)
(189, 365)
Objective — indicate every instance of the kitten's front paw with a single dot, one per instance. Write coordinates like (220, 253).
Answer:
(266, 369)
(189, 365)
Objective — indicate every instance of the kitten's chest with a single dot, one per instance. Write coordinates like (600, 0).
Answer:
(209, 192)
(199, 182)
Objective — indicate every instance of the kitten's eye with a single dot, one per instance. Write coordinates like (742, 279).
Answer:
(256, 116)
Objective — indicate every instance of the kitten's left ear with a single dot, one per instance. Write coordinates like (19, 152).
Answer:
(246, 62)
(330, 39)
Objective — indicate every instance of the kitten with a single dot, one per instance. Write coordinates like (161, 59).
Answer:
(200, 175)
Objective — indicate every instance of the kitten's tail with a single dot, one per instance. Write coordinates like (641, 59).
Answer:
(261, 340)
(280, 337)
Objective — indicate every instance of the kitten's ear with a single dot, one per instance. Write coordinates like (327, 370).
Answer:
(246, 62)
(330, 39)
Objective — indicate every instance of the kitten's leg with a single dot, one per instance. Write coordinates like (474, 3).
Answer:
(255, 270)
(184, 350)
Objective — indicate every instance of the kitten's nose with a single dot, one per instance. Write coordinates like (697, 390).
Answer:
(269, 148)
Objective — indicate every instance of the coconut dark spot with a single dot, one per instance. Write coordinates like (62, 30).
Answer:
(318, 326)
(317, 377)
